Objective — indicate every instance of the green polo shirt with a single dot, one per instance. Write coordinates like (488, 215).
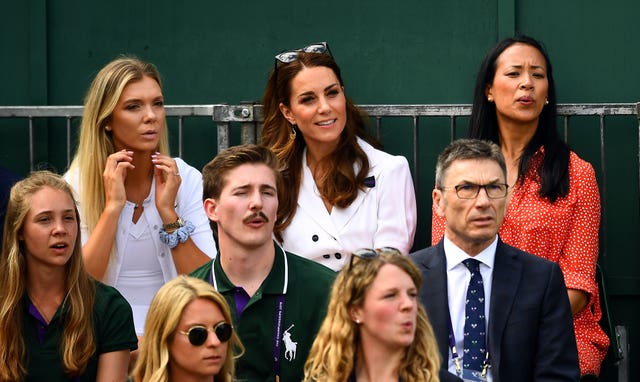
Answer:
(305, 285)
(113, 329)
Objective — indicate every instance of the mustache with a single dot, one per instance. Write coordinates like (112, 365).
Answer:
(255, 215)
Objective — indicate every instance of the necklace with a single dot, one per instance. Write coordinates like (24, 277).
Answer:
(42, 312)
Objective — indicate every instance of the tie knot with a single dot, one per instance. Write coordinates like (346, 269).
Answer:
(472, 265)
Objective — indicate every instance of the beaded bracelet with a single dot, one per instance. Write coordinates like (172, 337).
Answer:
(178, 236)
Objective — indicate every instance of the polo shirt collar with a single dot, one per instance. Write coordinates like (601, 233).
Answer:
(62, 309)
(277, 281)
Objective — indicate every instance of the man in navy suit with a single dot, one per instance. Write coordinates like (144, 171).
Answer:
(526, 332)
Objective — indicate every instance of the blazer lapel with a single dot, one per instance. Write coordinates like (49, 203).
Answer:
(342, 216)
(507, 273)
(310, 198)
(435, 297)
(310, 202)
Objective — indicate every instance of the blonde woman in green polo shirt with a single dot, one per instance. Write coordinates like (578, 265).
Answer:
(56, 322)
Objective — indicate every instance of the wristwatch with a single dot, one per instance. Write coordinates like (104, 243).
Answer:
(170, 227)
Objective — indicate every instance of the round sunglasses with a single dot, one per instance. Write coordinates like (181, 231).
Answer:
(198, 334)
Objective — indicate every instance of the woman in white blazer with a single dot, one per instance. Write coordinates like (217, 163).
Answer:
(342, 194)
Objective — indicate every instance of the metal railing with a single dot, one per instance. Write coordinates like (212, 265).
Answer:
(250, 117)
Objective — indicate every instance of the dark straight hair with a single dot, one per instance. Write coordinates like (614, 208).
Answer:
(554, 172)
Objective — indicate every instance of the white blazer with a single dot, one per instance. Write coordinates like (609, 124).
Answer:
(383, 215)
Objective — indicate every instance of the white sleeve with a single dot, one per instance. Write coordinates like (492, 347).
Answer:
(190, 207)
(397, 214)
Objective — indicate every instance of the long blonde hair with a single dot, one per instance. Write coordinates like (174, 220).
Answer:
(96, 143)
(333, 353)
(163, 319)
(78, 341)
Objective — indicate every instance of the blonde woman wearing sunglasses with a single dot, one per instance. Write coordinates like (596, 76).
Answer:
(189, 335)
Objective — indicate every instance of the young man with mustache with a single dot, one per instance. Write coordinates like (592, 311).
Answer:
(278, 299)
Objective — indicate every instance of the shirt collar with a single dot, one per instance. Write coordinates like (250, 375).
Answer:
(277, 281)
(454, 255)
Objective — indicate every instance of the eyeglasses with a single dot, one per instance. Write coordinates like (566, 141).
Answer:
(369, 253)
(471, 191)
(199, 334)
(292, 55)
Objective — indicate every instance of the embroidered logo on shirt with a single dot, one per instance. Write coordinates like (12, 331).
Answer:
(289, 344)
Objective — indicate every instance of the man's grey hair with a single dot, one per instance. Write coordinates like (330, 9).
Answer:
(461, 149)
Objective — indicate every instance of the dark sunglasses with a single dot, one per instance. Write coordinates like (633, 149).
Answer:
(286, 57)
(369, 253)
(199, 334)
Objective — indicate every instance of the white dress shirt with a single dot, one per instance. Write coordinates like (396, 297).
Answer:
(458, 277)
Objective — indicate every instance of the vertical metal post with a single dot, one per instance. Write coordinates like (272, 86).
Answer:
(180, 136)
(223, 136)
(68, 141)
(31, 148)
(415, 155)
(452, 127)
(248, 128)
(638, 118)
(603, 196)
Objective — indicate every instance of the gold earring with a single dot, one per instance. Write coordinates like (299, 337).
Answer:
(292, 133)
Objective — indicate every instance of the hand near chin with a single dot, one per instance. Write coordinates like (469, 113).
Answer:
(168, 181)
(113, 176)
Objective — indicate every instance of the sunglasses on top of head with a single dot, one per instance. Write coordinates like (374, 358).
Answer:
(288, 56)
(198, 334)
(369, 253)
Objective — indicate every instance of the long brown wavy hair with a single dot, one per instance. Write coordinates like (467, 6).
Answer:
(333, 353)
(340, 183)
(78, 340)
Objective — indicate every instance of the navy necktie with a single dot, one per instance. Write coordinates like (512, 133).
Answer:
(474, 323)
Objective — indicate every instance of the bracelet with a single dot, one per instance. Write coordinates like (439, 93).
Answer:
(178, 236)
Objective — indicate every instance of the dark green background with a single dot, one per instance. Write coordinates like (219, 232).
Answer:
(391, 52)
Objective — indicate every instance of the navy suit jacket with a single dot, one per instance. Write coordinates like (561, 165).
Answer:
(531, 334)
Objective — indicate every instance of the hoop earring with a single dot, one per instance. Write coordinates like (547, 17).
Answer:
(293, 133)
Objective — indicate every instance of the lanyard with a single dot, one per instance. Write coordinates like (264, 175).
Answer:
(277, 335)
(486, 364)
(277, 324)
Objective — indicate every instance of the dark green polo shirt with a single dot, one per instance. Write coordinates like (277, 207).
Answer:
(113, 328)
(306, 285)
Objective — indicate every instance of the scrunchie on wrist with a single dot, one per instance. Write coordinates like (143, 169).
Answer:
(178, 236)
